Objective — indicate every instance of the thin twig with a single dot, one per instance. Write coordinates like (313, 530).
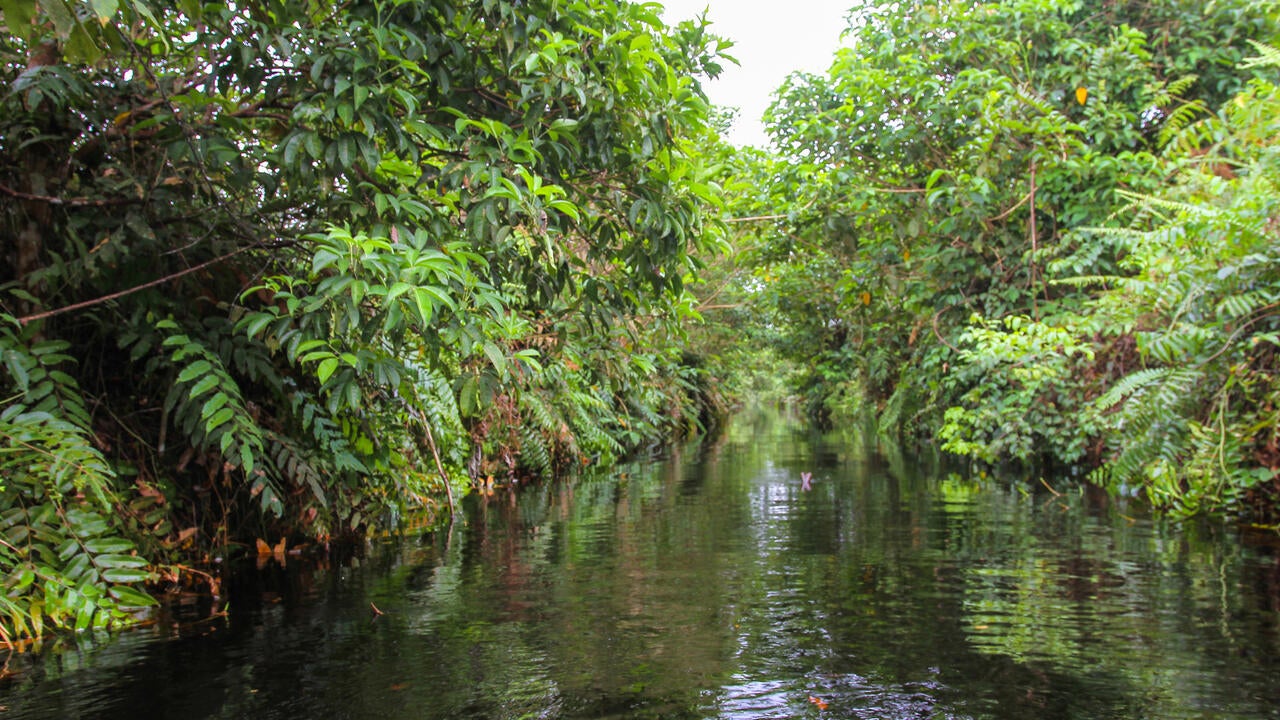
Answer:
(938, 334)
(1031, 280)
(1016, 205)
(68, 202)
(1260, 314)
(900, 191)
(444, 477)
(135, 288)
(756, 218)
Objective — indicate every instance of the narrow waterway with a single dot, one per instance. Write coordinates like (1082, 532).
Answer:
(713, 585)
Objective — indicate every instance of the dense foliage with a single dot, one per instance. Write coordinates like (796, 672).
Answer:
(281, 272)
(1037, 231)
(274, 268)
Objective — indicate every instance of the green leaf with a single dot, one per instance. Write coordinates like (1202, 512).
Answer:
(61, 15)
(397, 290)
(207, 383)
(322, 259)
(213, 404)
(131, 598)
(496, 356)
(326, 369)
(194, 370)
(119, 561)
(25, 578)
(105, 9)
(109, 545)
(219, 418)
(18, 17)
(125, 575)
(424, 301)
(255, 322)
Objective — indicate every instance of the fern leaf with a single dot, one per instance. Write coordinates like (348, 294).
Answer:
(1267, 56)
(1131, 383)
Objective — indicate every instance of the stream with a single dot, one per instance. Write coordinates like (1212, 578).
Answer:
(711, 584)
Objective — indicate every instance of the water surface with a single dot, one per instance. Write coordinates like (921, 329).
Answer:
(710, 585)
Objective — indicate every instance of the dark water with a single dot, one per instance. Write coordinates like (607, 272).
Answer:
(711, 585)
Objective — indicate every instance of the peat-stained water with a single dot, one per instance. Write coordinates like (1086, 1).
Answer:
(713, 585)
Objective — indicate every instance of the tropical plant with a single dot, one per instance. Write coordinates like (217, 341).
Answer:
(937, 171)
(1195, 424)
(290, 257)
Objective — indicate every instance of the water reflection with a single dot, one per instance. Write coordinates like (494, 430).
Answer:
(713, 585)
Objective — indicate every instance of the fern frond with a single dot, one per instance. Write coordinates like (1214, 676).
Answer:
(1179, 119)
(296, 467)
(1086, 281)
(1234, 307)
(1131, 383)
(534, 452)
(207, 405)
(1267, 56)
(63, 557)
(1151, 201)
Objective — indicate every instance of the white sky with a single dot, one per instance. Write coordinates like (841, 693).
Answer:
(772, 39)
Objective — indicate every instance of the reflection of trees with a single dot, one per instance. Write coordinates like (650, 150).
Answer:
(710, 584)
(1056, 584)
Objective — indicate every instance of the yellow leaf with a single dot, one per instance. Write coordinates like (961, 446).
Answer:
(866, 297)
(1082, 94)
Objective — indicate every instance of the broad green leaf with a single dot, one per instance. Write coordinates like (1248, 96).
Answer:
(18, 17)
(125, 575)
(194, 370)
(326, 369)
(105, 9)
(219, 418)
(119, 561)
(207, 383)
(109, 545)
(496, 356)
(62, 16)
(131, 597)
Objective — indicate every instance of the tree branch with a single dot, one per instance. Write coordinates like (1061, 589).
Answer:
(129, 291)
(69, 202)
